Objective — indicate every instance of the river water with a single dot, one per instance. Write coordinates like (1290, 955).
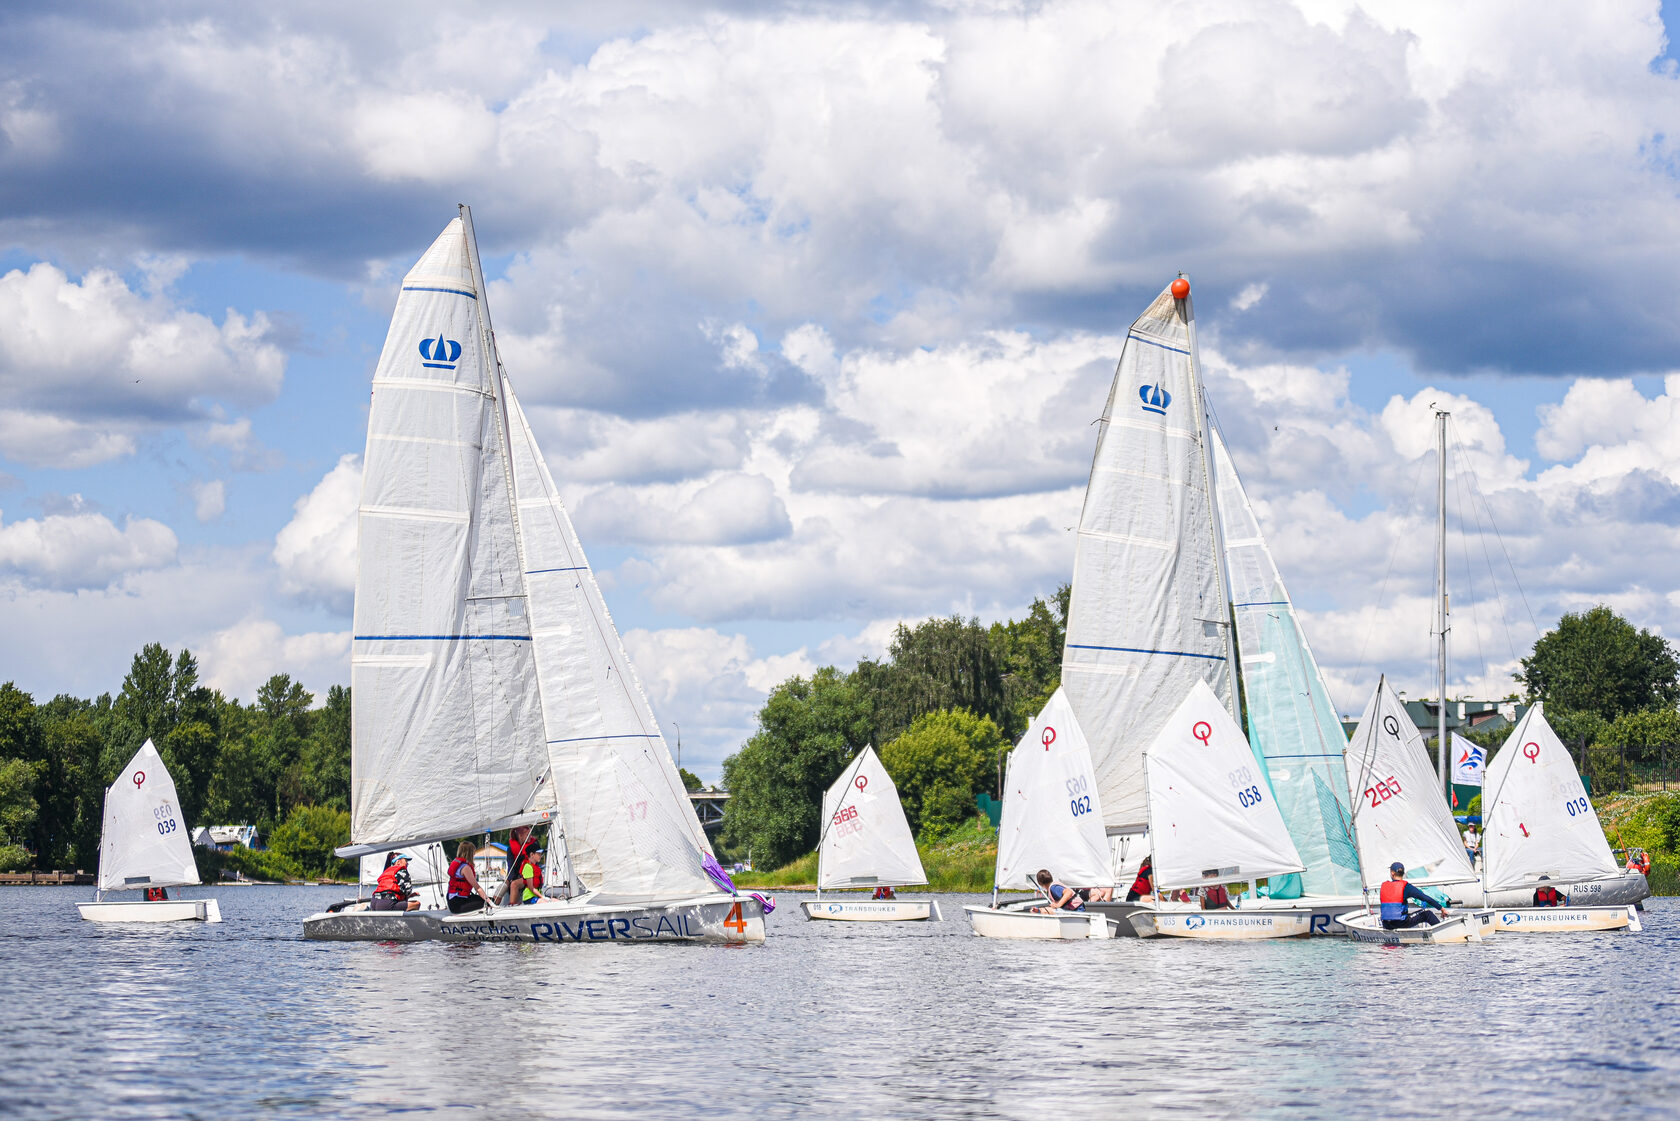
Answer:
(245, 1019)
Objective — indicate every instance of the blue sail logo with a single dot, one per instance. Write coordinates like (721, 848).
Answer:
(440, 353)
(1155, 399)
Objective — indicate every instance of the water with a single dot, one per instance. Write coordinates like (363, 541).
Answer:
(245, 1019)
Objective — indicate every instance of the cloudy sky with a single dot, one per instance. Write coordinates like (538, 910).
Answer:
(813, 306)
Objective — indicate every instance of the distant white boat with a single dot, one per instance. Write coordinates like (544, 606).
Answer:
(145, 844)
(866, 842)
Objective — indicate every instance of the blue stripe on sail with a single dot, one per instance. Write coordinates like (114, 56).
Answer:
(538, 571)
(629, 736)
(1312, 755)
(1152, 342)
(1136, 650)
(442, 637)
(451, 291)
(1264, 603)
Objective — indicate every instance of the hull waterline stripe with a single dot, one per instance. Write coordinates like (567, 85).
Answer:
(451, 291)
(626, 736)
(442, 637)
(1137, 650)
(1152, 342)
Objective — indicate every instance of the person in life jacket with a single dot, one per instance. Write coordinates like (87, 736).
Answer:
(1145, 882)
(1547, 896)
(394, 890)
(531, 873)
(464, 893)
(884, 892)
(1062, 897)
(1639, 862)
(156, 895)
(519, 847)
(1394, 895)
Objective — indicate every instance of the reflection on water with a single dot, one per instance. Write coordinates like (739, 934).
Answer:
(915, 1020)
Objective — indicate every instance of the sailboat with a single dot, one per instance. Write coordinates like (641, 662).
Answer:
(866, 842)
(491, 688)
(1400, 816)
(1213, 819)
(1540, 826)
(1168, 547)
(1051, 819)
(145, 844)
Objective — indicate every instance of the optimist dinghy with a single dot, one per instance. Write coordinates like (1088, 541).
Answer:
(1541, 827)
(866, 842)
(1213, 819)
(491, 688)
(1052, 818)
(145, 844)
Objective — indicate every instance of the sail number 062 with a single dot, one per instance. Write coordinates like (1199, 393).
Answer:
(1383, 790)
(1078, 801)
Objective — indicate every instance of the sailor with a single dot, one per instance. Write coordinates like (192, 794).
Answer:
(1145, 882)
(519, 848)
(394, 890)
(1472, 842)
(531, 873)
(1394, 894)
(156, 894)
(1061, 896)
(464, 893)
(1639, 862)
(884, 892)
(1546, 895)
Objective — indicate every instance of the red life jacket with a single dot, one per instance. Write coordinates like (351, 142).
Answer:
(459, 888)
(1393, 897)
(388, 882)
(1142, 884)
(517, 853)
(1547, 896)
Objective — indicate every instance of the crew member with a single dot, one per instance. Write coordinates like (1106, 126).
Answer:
(530, 871)
(1394, 895)
(1547, 896)
(464, 893)
(519, 848)
(156, 894)
(1145, 882)
(1639, 862)
(884, 892)
(394, 890)
(1062, 897)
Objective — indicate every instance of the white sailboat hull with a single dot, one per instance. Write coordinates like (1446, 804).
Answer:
(997, 922)
(870, 910)
(1608, 891)
(161, 910)
(1365, 926)
(1223, 925)
(1565, 920)
(719, 918)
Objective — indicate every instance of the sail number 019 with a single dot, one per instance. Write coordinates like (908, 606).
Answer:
(1383, 790)
(1577, 806)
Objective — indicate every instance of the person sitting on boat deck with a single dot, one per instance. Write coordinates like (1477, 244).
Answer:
(1547, 896)
(1639, 861)
(531, 874)
(1215, 897)
(519, 847)
(1395, 892)
(884, 892)
(1144, 884)
(464, 893)
(156, 894)
(395, 889)
(1062, 897)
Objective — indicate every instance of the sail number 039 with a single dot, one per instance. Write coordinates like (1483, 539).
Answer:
(165, 815)
(1383, 790)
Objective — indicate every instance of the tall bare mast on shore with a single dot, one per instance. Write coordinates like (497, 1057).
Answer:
(1442, 752)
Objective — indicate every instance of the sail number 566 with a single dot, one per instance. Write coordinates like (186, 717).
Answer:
(1383, 790)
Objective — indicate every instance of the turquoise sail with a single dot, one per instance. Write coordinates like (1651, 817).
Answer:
(1292, 724)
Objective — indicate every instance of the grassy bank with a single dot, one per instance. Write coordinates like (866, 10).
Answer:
(1647, 821)
(960, 861)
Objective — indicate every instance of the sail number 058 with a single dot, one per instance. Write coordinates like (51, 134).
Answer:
(1383, 790)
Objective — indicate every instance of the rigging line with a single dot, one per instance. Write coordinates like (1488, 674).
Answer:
(1382, 593)
(1464, 549)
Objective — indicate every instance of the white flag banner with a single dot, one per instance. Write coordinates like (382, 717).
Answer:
(1468, 761)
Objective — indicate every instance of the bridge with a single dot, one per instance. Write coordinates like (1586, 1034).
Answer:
(708, 807)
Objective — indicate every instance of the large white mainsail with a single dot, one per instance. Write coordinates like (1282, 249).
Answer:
(630, 828)
(1052, 811)
(447, 730)
(866, 838)
(1538, 819)
(1212, 818)
(1291, 720)
(144, 842)
(1148, 615)
(1398, 811)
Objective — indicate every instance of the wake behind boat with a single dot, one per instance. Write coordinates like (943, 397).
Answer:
(490, 686)
(866, 842)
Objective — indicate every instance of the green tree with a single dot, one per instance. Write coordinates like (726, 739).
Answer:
(1643, 733)
(71, 794)
(326, 754)
(807, 731)
(237, 794)
(162, 701)
(1030, 653)
(18, 811)
(691, 781)
(283, 721)
(938, 765)
(308, 836)
(937, 664)
(1598, 662)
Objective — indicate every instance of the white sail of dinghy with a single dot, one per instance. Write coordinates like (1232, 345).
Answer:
(1148, 615)
(1052, 808)
(1398, 811)
(447, 728)
(1292, 722)
(144, 842)
(1537, 820)
(866, 839)
(630, 828)
(1212, 817)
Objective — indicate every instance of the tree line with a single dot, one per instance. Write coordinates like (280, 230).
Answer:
(279, 763)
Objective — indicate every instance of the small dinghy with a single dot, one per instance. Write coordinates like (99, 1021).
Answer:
(1213, 819)
(1051, 819)
(866, 842)
(1366, 926)
(145, 845)
(1542, 829)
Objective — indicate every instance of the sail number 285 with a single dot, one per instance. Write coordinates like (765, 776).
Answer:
(1383, 790)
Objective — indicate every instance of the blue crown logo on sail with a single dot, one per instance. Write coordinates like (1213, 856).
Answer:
(440, 353)
(1155, 399)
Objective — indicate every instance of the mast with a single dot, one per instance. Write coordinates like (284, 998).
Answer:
(1441, 750)
(1222, 579)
